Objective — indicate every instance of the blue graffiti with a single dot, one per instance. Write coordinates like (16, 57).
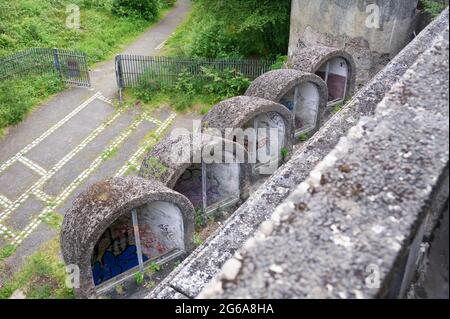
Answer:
(112, 266)
(288, 103)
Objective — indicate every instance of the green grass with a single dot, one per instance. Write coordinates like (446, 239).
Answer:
(233, 29)
(29, 23)
(433, 7)
(42, 276)
(7, 251)
(109, 153)
(53, 219)
(304, 137)
(19, 95)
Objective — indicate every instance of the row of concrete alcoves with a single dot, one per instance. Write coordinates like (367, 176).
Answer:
(117, 227)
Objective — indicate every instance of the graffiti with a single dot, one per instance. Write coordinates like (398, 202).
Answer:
(190, 185)
(112, 265)
(150, 242)
(160, 229)
(115, 252)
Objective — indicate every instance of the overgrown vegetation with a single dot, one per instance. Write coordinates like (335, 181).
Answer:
(19, 95)
(433, 7)
(190, 90)
(234, 29)
(28, 23)
(42, 276)
(103, 27)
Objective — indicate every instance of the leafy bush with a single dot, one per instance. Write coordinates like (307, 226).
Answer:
(279, 62)
(144, 9)
(147, 89)
(211, 85)
(225, 84)
(433, 7)
(234, 28)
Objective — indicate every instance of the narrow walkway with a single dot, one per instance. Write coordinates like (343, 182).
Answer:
(74, 140)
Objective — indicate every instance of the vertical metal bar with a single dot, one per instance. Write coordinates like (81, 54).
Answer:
(137, 239)
(204, 189)
(296, 101)
(57, 62)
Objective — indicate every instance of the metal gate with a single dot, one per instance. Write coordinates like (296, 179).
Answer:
(72, 66)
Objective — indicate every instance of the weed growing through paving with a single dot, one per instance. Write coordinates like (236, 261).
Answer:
(53, 219)
(120, 289)
(42, 276)
(139, 278)
(176, 264)
(196, 239)
(284, 152)
(7, 251)
(109, 153)
(304, 137)
(200, 219)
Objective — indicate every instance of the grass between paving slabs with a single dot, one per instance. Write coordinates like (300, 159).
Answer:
(42, 276)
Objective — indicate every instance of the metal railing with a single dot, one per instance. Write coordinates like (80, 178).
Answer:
(132, 69)
(72, 66)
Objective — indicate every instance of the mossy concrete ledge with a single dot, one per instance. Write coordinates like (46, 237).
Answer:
(207, 260)
(95, 209)
(358, 225)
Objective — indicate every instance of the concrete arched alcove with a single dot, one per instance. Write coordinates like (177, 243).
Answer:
(117, 227)
(336, 67)
(272, 125)
(210, 171)
(304, 94)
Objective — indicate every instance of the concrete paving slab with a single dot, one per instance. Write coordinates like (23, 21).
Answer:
(67, 137)
(113, 164)
(41, 120)
(24, 214)
(32, 243)
(16, 180)
(84, 158)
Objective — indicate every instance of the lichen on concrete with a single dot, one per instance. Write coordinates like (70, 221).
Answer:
(201, 267)
(95, 209)
(363, 206)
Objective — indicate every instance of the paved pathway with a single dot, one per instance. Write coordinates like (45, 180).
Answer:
(74, 140)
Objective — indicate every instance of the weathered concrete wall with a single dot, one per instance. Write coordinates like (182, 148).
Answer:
(354, 227)
(104, 203)
(304, 94)
(176, 162)
(200, 267)
(356, 27)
